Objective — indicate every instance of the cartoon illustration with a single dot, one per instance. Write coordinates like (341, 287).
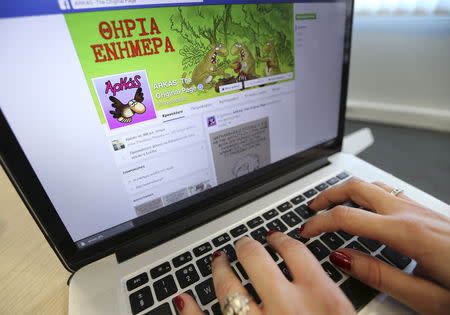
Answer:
(244, 64)
(246, 164)
(125, 112)
(271, 59)
(207, 69)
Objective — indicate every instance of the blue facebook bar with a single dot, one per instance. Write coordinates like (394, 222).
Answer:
(16, 8)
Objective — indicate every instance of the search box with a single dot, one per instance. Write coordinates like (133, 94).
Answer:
(91, 4)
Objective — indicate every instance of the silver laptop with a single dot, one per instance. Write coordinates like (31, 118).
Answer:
(144, 135)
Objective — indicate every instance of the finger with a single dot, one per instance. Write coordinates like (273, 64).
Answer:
(420, 294)
(267, 278)
(226, 283)
(186, 305)
(389, 230)
(364, 194)
(301, 263)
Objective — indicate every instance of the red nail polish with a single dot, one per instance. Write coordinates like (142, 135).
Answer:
(300, 230)
(179, 303)
(270, 232)
(341, 259)
(216, 254)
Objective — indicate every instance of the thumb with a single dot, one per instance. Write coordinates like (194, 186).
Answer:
(186, 305)
(419, 294)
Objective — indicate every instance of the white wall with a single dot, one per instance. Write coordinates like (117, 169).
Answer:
(400, 71)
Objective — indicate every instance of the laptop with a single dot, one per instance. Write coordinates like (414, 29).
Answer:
(145, 135)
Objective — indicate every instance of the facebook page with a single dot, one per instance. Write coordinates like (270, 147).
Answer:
(143, 107)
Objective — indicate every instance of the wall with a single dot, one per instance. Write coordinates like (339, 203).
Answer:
(400, 71)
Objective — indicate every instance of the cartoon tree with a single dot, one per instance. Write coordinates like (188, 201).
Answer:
(198, 27)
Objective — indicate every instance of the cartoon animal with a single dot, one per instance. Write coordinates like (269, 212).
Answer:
(271, 59)
(207, 69)
(244, 64)
(125, 112)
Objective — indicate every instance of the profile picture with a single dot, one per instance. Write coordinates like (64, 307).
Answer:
(125, 98)
(211, 121)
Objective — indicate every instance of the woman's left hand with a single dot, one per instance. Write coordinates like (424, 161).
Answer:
(310, 292)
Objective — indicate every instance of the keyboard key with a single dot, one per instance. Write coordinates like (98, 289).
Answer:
(357, 292)
(187, 276)
(284, 269)
(204, 265)
(270, 214)
(318, 249)
(356, 246)
(239, 230)
(141, 299)
(342, 175)
(161, 310)
(164, 287)
(205, 291)
(285, 206)
(401, 261)
(332, 181)
(137, 281)
(310, 193)
(373, 245)
(252, 291)
(255, 222)
(202, 249)
(383, 259)
(304, 211)
(216, 309)
(229, 250)
(331, 271)
(322, 187)
(297, 199)
(294, 234)
(332, 240)
(241, 270)
(276, 225)
(182, 259)
(160, 270)
(346, 236)
(221, 239)
(291, 219)
(236, 274)
(272, 253)
(260, 235)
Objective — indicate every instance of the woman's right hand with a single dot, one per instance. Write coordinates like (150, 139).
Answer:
(400, 223)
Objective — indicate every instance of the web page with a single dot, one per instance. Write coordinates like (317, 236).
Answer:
(164, 103)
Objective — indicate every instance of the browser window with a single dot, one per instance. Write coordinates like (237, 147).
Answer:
(136, 108)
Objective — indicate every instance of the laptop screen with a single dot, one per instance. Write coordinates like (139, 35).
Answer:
(126, 107)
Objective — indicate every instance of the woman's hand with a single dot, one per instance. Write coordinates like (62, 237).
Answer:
(310, 292)
(400, 223)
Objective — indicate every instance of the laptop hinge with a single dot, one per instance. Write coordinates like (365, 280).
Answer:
(202, 216)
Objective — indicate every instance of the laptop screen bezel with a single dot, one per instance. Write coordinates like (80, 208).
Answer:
(33, 194)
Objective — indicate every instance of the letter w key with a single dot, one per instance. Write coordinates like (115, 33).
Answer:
(205, 291)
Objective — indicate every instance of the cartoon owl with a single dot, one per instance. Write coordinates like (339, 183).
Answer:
(125, 112)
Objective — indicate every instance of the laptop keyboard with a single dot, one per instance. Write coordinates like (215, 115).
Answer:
(151, 293)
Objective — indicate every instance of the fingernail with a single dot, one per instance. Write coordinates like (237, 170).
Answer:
(300, 230)
(341, 259)
(270, 232)
(179, 303)
(216, 254)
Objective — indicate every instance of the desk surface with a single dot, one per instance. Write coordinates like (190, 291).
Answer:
(32, 280)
